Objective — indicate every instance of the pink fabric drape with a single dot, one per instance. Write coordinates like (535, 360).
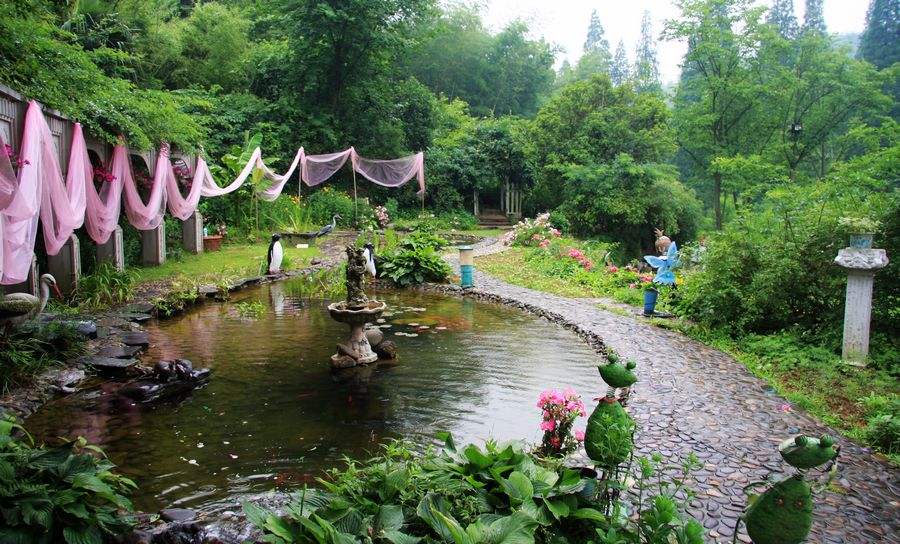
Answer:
(278, 181)
(7, 191)
(179, 206)
(318, 168)
(211, 188)
(394, 172)
(146, 216)
(104, 207)
(41, 192)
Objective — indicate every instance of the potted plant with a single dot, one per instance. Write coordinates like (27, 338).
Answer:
(862, 230)
(214, 242)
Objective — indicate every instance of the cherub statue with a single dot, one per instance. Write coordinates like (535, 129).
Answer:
(356, 269)
(665, 275)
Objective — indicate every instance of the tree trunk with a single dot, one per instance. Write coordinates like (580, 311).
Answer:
(717, 193)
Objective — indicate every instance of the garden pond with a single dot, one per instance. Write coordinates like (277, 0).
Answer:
(275, 416)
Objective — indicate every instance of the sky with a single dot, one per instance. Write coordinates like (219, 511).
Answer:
(565, 22)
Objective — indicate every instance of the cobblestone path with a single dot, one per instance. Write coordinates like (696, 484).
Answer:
(694, 398)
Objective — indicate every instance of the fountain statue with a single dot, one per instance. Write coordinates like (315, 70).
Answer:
(356, 312)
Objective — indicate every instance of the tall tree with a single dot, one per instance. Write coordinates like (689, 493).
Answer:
(715, 110)
(596, 36)
(619, 71)
(646, 67)
(781, 14)
(814, 18)
(880, 42)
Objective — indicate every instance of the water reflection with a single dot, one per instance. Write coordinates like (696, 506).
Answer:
(275, 415)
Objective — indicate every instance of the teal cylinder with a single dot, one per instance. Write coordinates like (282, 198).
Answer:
(466, 275)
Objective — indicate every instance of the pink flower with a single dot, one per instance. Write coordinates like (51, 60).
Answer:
(554, 232)
(7, 150)
(547, 415)
(785, 407)
(646, 278)
(548, 425)
(613, 269)
(579, 436)
(632, 286)
(544, 243)
(575, 254)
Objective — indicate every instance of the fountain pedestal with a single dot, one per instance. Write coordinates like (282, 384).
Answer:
(356, 350)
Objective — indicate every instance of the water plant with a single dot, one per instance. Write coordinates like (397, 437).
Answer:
(106, 286)
(182, 292)
(415, 260)
(250, 310)
(66, 493)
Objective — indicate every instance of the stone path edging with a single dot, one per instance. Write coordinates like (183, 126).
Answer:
(692, 398)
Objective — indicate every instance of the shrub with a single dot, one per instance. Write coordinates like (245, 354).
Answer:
(106, 286)
(538, 232)
(413, 266)
(67, 493)
(325, 203)
(29, 350)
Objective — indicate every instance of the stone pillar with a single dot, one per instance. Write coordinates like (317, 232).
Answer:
(153, 246)
(475, 207)
(192, 233)
(66, 266)
(30, 285)
(113, 251)
(861, 265)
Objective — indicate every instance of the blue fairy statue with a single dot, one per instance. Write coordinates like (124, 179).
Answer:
(665, 275)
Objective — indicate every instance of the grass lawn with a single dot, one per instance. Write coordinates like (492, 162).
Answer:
(232, 260)
(810, 377)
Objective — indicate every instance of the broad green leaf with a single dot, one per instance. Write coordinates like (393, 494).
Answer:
(82, 535)
(389, 518)
(476, 457)
(518, 487)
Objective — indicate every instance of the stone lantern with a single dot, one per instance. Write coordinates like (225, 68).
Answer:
(861, 264)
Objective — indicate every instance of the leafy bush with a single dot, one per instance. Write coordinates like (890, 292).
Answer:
(325, 203)
(181, 293)
(413, 266)
(106, 286)
(538, 232)
(499, 493)
(67, 493)
(27, 351)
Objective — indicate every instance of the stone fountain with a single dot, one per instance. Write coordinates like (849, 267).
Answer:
(356, 312)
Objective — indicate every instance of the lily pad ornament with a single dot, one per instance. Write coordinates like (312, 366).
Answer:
(781, 515)
(618, 375)
(805, 452)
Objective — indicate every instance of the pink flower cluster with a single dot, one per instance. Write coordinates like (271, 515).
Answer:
(559, 410)
(612, 269)
(581, 258)
(8, 151)
(528, 232)
(381, 214)
(103, 175)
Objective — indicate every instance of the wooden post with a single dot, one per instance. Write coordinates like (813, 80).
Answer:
(113, 251)
(66, 265)
(192, 233)
(355, 214)
(153, 246)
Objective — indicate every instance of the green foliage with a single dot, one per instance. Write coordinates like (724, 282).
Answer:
(180, 294)
(105, 286)
(495, 494)
(29, 350)
(325, 203)
(250, 310)
(408, 266)
(880, 43)
(322, 284)
(67, 493)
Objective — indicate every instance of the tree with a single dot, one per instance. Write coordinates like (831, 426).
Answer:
(716, 108)
(814, 19)
(596, 39)
(619, 71)
(646, 67)
(781, 14)
(880, 42)
(521, 70)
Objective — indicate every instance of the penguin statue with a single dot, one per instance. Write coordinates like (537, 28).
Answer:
(276, 254)
(369, 253)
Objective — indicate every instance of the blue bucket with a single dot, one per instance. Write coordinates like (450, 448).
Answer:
(650, 296)
(466, 274)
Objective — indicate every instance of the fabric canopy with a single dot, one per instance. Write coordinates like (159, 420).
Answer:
(40, 191)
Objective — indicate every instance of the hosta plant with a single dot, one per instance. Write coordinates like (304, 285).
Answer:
(62, 494)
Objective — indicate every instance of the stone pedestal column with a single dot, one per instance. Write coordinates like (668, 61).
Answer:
(153, 246)
(113, 251)
(861, 265)
(66, 265)
(192, 233)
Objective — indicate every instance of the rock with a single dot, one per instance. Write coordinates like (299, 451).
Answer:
(150, 390)
(374, 336)
(119, 352)
(66, 380)
(342, 361)
(178, 514)
(88, 329)
(109, 366)
(136, 339)
(136, 317)
(386, 350)
(140, 308)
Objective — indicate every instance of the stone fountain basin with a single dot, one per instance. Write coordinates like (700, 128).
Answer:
(356, 315)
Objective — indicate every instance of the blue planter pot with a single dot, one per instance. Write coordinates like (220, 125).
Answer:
(650, 296)
(861, 241)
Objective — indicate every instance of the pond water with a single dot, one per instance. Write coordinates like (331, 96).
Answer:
(274, 415)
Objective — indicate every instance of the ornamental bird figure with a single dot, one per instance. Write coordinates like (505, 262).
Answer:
(17, 308)
(369, 254)
(275, 256)
(665, 264)
(328, 228)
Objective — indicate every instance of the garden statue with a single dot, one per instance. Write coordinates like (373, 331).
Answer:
(618, 376)
(783, 513)
(665, 275)
(356, 312)
(17, 308)
(275, 256)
